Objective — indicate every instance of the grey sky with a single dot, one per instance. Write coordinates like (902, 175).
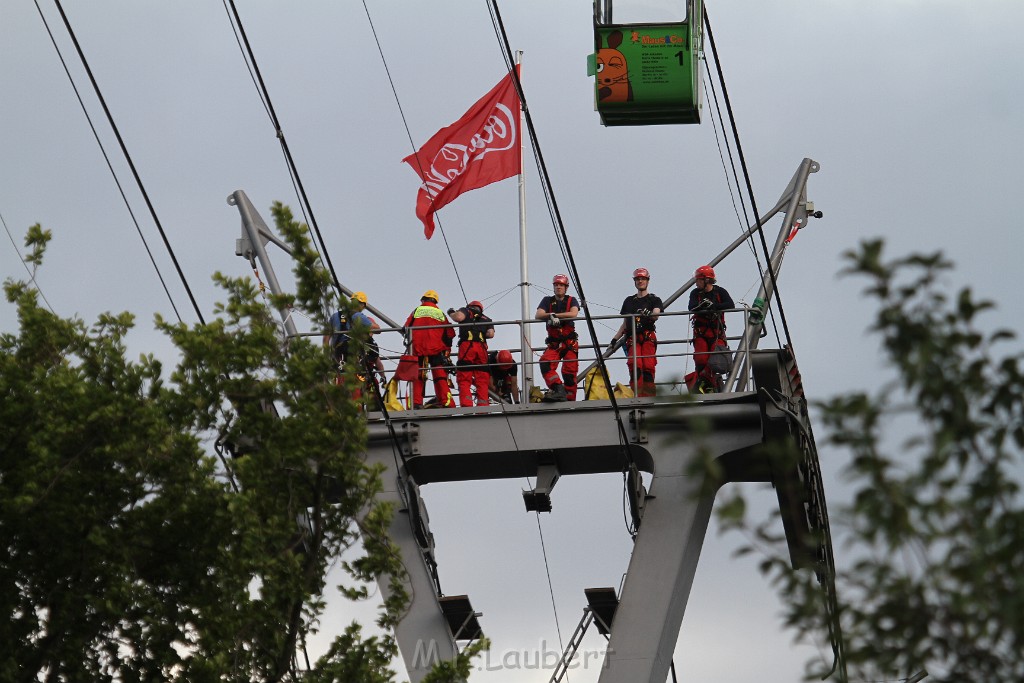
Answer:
(912, 108)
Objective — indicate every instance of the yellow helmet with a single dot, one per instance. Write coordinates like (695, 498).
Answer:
(431, 294)
(360, 297)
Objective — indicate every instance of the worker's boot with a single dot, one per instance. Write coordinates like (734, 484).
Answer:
(556, 393)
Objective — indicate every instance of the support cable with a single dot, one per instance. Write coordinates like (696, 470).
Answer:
(560, 231)
(828, 576)
(551, 586)
(131, 165)
(745, 220)
(412, 145)
(746, 177)
(250, 61)
(562, 239)
(396, 452)
(293, 170)
(563, 242)
(254, 71)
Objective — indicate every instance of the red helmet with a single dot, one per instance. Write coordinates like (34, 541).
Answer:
(705, 272)
(479, 305)
(504, 359)
(641, 272)
(560, 280)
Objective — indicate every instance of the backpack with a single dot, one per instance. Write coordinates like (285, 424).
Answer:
(339, 340)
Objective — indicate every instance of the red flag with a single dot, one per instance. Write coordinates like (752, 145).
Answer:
(479, 149)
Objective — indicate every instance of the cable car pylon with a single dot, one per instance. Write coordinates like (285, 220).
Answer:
(740, 431)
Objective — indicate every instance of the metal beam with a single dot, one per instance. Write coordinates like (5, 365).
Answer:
(256, 234)
(795, 189)
(796, 219)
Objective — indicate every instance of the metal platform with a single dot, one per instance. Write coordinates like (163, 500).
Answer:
(666, 438)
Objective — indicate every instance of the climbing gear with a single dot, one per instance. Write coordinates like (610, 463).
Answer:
(560, 280)
(557, 327)
(641, 272)
(477, 305)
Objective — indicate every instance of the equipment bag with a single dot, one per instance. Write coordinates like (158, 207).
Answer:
(391, 400)
(597, 390)
(408, 368)
(720, 361)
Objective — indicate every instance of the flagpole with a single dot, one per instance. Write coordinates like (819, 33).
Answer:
(524, 287)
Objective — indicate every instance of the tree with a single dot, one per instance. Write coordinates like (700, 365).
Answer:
(129, 552)
(934, 535)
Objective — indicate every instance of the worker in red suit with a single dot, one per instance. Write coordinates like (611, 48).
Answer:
(475, 329)
(431, 341)
(643, 309)
(559, 310)
(707, 303)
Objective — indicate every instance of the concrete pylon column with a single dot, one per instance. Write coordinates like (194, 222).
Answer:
(423, 636)
(668, 546)
(658, 581)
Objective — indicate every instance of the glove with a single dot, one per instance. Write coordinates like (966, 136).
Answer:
(554, 320)
(450, 311)
(704, 303)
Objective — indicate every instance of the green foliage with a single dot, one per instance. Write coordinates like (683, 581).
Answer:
(932, 570)
(457, 670)
(129, 552)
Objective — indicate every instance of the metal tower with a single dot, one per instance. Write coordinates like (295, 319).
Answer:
(760, 433)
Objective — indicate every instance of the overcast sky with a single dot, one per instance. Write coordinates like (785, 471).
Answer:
(913, 108)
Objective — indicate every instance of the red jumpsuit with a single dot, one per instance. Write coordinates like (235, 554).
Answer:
(471, 369)
(708, 327)
(562, 346)
(433, 346)
(643, 354)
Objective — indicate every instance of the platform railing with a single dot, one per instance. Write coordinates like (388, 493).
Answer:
(674, 349)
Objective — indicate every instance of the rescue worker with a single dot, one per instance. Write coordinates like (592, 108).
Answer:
(707, 301)
(643, 307)
(431, 338)
(504, 375)
(475, 329)
(559, 311)
(368, 356)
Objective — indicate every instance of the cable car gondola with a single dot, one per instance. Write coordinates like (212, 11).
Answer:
(647, 71)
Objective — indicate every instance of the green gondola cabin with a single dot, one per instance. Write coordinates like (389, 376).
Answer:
(647, 66)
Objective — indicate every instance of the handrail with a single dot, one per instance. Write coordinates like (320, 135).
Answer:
(667, 347)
